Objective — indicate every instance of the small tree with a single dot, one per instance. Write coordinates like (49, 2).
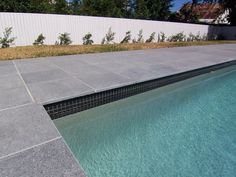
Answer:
(39, 40)
(161, 37)
(64, 39)
(6, 40)
(198, 37)
(87, 39)
(179, 37)
(127, 37)
(110, 36)
(193, 37)
(204, 37)
(151, 38)
(140, 36)
(190, 37)
(134, 41)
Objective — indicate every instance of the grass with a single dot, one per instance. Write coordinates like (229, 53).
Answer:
(55, 50)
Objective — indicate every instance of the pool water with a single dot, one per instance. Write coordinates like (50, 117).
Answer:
(187, 129)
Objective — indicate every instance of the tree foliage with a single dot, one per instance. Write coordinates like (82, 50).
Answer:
(61, 7)
(127, 37)
(6, 41)
(87, 39)
(40, 40)
(75, 6)
(230, 5)
(161, 37)
(179, 37)
(159, 9)
(185, 14)
(110, 36)
(64, 39)
(141, 9)
(140, 36)
(151, 38)
(106, 8)
(152, 9)
(32, 6)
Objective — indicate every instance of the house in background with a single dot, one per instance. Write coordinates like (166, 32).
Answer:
(211, 13)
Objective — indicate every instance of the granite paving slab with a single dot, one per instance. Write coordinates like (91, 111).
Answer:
(52, 159)
(57, 90)
(43, 76)
(12, 89)
(103, 81)
(72, 67)
(14, 97)
(137, 74)
(28, 66)
(10, 81)
(4, 63)
(7, 69)
(23, 127)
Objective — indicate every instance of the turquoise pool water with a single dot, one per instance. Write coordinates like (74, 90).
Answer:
(187, 129)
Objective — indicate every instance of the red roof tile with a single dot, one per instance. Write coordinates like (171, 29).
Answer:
(205, 10)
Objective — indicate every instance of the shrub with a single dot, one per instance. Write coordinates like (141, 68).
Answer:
(64, 39)
(190, 37)
(151, 38)
(87, 39)
(179, 37)
(6, 40)
(140, 36)
(110, 36)
(198, 37)
(161, 37)
(204, 37)
(127, 37)
(193, 37)
(39, 40)
(134, 41)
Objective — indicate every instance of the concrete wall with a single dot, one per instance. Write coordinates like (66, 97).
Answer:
(26, 27)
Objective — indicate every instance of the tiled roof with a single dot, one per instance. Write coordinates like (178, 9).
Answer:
(205, 10)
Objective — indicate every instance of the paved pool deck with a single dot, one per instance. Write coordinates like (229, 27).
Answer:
(30, 144)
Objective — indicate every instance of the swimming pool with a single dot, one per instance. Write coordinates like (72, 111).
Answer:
(183, 129)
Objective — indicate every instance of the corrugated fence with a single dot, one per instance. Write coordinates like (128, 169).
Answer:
(27, 26)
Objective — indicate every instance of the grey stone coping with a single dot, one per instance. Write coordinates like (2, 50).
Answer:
(30, 145)
(53, 79)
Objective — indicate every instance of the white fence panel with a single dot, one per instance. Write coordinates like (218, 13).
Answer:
(27, 26)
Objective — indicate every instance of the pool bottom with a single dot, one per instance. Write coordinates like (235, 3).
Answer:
(184, 129)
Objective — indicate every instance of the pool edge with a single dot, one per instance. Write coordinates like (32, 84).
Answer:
(73, 105)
